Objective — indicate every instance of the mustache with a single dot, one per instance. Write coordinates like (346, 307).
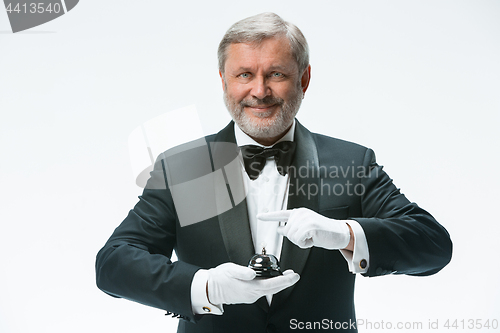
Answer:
(266, 101)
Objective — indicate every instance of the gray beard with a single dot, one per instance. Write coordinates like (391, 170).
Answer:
(271, 127)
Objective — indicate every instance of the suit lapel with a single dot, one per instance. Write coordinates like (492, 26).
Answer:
(234, 224)
(229, 187)
(304, 180)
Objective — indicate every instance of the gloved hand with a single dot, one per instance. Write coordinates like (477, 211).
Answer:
(306, 228)
(230, 283)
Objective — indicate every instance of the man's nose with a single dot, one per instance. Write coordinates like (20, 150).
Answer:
(260, 88)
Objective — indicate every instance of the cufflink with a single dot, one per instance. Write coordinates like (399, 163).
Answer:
(207, 309)
(363, 264)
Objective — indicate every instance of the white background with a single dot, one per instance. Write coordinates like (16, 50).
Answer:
(417, 81)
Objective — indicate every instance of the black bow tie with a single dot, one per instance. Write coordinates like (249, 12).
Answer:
(254, 157)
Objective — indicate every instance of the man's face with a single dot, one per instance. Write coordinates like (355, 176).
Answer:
(263, 88)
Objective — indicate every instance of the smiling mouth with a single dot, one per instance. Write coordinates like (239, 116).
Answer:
(261, 108)
(262, 105)
(262, 111)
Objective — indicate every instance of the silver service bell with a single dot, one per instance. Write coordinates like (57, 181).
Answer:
(265, 265)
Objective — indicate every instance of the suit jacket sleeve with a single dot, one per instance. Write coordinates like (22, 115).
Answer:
(402, 237)
(135, 262)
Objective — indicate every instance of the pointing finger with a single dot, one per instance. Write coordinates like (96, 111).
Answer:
(280, 215)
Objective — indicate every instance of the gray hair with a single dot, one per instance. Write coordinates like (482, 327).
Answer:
(255, 29)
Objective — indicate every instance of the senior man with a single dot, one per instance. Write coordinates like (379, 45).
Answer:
(322, 205)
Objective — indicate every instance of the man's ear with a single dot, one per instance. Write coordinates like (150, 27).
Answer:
(306, 77)
(222, 79)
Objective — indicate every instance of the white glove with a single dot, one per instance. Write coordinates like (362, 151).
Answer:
(306, 228)
(230, 283)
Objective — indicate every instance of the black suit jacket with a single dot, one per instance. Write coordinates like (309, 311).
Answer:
(338, 179)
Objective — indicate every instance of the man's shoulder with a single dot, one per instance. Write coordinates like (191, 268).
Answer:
(200, 143)
(201, 156)
(328, 142)
(324, 142)
(336, 151)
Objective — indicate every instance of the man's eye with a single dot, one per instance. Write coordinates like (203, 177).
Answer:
(244, 75)
(277, 74)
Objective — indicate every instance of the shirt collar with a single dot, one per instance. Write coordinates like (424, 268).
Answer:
(242, 139)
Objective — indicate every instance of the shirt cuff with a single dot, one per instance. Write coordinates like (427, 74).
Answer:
(359, 259)
(199, 300)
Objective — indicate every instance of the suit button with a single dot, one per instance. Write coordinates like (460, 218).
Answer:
(379, 271)
(271, 328)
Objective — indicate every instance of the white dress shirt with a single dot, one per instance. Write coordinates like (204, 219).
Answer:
(269, 192)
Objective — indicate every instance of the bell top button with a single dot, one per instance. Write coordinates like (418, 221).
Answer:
(363, 264)
(206, 309)
(264, 178)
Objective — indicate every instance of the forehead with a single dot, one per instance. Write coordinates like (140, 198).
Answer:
(271, 52)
